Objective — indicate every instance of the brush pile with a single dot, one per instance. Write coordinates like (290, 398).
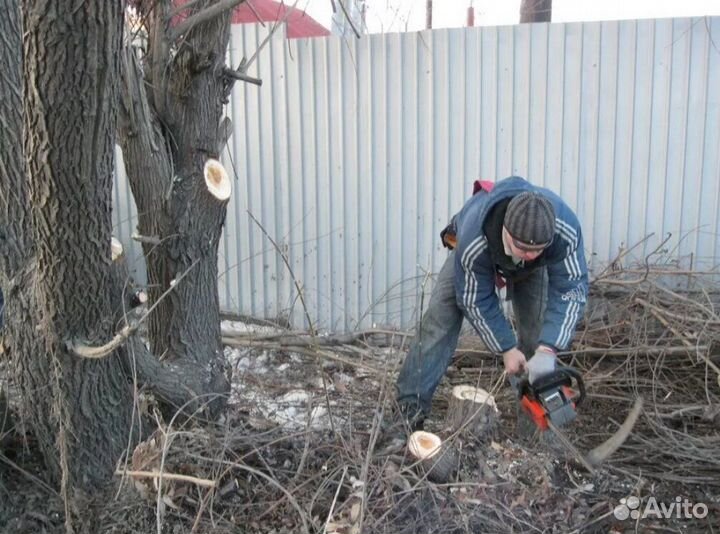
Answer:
(309, 463)
(298, 450)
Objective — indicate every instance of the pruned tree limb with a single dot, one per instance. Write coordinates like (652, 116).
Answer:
(308, 350)
(652, 307)
(203, 482)
(603, 451)
(87, 351)
(95, 353)
(240, 75)
(303, 339)
(147, 239)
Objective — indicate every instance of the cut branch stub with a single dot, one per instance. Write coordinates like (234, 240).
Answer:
(472, 411)
(217, 180)
(116, 249)
(436, 460)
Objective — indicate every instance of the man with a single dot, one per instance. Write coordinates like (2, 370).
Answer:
(526, 237)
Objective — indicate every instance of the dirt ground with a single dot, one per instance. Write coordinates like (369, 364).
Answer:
(297, 452)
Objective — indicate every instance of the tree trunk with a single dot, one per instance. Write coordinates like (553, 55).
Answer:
(168, 129)
(56, 227)
(15, 239)
(472, 411)
(62, 290)
(535, 11)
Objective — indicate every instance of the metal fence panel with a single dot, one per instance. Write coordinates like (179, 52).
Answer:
(354, 154)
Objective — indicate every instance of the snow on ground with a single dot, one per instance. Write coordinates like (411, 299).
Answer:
(243, 328)
(276, 387)
(294, 391)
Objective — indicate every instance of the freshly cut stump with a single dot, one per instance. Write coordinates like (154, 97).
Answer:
(217, 179)
(437, 460)
(472, 411)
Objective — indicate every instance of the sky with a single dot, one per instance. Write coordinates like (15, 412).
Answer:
(409, 15)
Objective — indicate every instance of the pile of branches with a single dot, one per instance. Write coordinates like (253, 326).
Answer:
(654, 332)
(650, 332)
(221, 478)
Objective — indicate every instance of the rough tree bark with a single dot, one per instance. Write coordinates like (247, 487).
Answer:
(56, 230)
(172, 107)
(59, 111)
(535, 11)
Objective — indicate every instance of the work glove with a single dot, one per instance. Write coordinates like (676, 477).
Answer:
(541, 364)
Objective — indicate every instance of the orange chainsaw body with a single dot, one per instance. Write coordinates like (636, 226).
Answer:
(536, 411)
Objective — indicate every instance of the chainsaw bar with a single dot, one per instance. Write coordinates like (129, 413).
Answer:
(569, 446)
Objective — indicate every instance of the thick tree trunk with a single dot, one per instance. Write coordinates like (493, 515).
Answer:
(16, 245)
(149, 166)
(62, 289)
(168, 129)
(79, 410)
(15, 242)
(535, 11)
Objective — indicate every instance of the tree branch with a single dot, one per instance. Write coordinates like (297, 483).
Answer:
(240, 75)
(205, 15)
(86, 351)
(205, 483)
(147, 239)
(181, 8)
(349, 19)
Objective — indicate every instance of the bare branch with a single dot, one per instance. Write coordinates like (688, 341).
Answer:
(86, 351)
(205, 15)
(203, 482)
(254, 11)
(349, 19)
(603, 451)
(184, 7)
(245, 64)
(95, 353)
(147, 239)
(298, 287)
(240, 75)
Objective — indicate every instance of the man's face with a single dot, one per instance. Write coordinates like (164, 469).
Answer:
(522, 250)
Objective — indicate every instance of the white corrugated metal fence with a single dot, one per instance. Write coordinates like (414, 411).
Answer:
(354, 153)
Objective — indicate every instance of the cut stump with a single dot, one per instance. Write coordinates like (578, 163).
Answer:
(472, 411)
(217, 180)
(435, 459)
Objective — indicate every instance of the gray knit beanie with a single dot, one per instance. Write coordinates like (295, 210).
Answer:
(530, 218)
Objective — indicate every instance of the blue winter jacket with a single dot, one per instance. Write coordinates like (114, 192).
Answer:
(475, 270)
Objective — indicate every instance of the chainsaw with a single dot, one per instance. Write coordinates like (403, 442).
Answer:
(551, 399)
(551, 403)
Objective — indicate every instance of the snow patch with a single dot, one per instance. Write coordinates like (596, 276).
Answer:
(259, 387)
(242, 328)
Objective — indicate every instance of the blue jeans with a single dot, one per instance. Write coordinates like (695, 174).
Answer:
(432, 349)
